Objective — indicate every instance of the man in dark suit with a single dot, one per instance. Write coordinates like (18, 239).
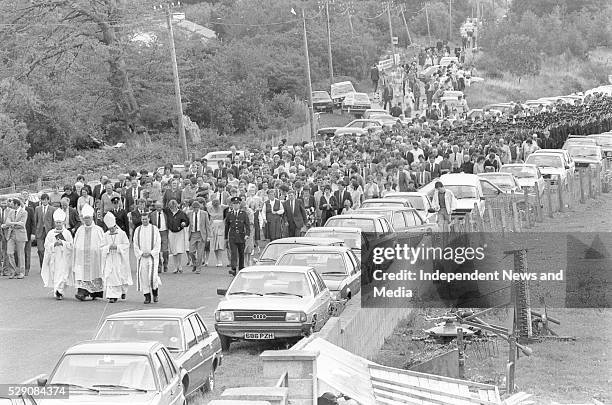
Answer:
(43, 223)
(29, 232)
(341, 195)
(295, 214)
(237, 230)
(220, 172)
(132, 194)
(432, 167)
(98, 189)
(121, 217)
(122, 183)
(160, 220)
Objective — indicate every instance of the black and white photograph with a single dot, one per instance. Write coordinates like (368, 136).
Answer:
(305, 202)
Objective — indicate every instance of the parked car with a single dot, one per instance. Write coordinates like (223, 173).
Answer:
(352, 237)
(504, 108)
(367, 114)
(505, 181)
(358, 127)
(321, 101)
(568, 161)
(99, 372)
(402, 219)
(527, 176)
(214, 157)
(182, 331)
(274, 249)
(551, 166)
(386, 119)
(467, 189)
(339, 268)
(605, 142)
(587, 156)
(340, 90)
(428, 72)
(418, 201)
(272, 303)
(375, 224)
(356, 103)
(175, 168)
(447, 60)
(386, 202)
(578, 140)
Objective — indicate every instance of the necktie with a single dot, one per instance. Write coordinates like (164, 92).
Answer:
(195, 222)
(159, 219)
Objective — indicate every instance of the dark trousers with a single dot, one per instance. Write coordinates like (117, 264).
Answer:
(28, 253)
(375, 82)
(237, 253)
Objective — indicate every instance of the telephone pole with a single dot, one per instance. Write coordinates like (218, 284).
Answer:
(406, 25)
(177, 85)
(450, 20)
(391, 32)
(428, 30)
(329, 48)
(313, 131)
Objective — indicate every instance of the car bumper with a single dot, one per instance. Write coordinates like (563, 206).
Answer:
(281, 331)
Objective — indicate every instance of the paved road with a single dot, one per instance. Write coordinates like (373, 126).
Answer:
(35, 328)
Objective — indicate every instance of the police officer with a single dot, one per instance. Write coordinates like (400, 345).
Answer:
(237, 229)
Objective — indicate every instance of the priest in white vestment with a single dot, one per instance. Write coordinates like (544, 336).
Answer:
(147, 245)
(87, 257)
(115, 260)
(55, 269)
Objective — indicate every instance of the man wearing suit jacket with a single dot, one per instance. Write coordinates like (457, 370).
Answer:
(98, 189)
(122, 183)
(341, 196)
(72, 221)
(43, 223)
(220, 172)
(132, 194)
(160, 220)
(5, 210)
(295, 214)
(327, 204)
(432, 167)
(199, 231)
(27, 249)
(15, 225)
(120, 214)
(237, 230)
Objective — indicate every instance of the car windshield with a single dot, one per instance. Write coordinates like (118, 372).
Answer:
(383, 203)
(521, 172)
(500, 181)
(269, 283)
(124, 371)
(462, 192)
(365, 224)
(415, 201)
(545, 160)
(583, 151)
(351, 239)
(274, 250)
(381, 116)
(361, 98)
(166, 331)
(342, 88)
(323, 263)
(320, 95)
(603, 140)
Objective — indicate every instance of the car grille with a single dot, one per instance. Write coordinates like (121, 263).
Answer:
(259, 316)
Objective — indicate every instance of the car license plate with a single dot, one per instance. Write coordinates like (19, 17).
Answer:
(258, 336)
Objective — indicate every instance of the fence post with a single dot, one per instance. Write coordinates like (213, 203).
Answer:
(570, 191)
(527, 210)
(590, 182)
(549, 198)
(516, 220)
(503, 214)
(598, 180)
(479, 219)
(539, 216)
(560, 195)
(582, 192)
(468, 222)
(492, 224)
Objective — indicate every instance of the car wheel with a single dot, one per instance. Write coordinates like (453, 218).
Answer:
(209, 385)
(225, 342)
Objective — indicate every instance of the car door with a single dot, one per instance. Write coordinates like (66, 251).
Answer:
(488, 189)
(325, 299)
(211, 348)
(199, 352)
(191, 358)
(398, 221)
(354, 278)
(317, 301)
(172, 376)
(166, 391)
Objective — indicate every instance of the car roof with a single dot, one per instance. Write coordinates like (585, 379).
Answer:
(493, 174)
(453, 179)
(552, 151)
(386, 208)
(154, 313)
(403, 194)
(358, 216)
(343, 229)
(519, 165)
(113, 347)
(386, 199)
(319, 249)
(282, 268)
(305, 240)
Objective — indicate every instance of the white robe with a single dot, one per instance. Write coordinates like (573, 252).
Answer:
(116, 270)
(87, 258)
(147, 277)
(55, 269)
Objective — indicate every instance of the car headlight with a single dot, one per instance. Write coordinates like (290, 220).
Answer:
(336, 295)
(224, 316)
(295, 317)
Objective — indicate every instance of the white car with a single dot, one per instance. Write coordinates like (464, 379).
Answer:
(467, 189)
(505, 181)
(356, 103)
(567, 158)
(419, 201)
(527, 176)
(214, 157)
(340, 90)
(359, 127)
(551, 165)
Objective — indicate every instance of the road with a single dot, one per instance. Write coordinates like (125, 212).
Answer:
(35, 328)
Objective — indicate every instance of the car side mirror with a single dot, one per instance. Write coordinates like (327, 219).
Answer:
(42, 381)
(221, 291)
(431, 211)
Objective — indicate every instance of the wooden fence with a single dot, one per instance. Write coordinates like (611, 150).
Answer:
(522, 211)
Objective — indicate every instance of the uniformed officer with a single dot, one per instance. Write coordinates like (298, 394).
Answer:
(237, 229)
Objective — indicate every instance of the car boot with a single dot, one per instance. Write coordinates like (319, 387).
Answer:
(147, 298)
(155, 295)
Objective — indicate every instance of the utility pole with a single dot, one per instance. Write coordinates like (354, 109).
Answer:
(450, 20)
(350, 18)
(391, 32)
(313, 131)
(428, 30)
(406, 25)
(329, 48)
(177, 85)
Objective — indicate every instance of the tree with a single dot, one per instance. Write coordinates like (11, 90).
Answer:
(520, 60)
(13, 145)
